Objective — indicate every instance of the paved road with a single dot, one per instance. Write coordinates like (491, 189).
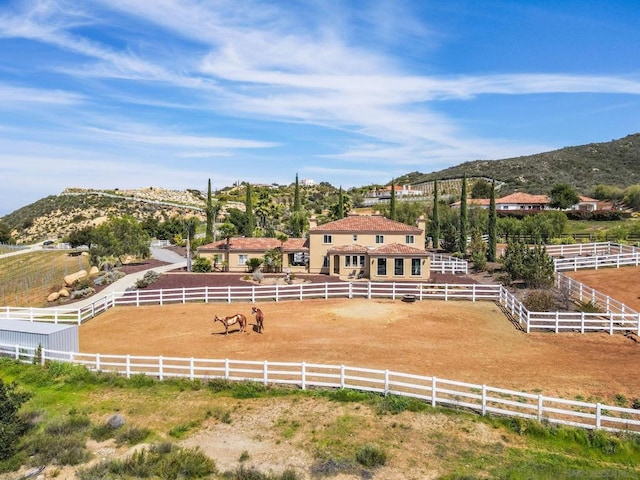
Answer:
(128, 281)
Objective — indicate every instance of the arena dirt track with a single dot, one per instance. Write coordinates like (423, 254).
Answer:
(471, 342)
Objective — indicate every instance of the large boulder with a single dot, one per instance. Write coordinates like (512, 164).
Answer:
(94, 270)
(63, 292)
(53, 297)
(71, 278)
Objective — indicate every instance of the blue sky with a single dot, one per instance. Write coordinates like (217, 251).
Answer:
(169, 93)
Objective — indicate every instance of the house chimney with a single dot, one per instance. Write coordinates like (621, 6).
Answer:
(422, 223)
(313, 222)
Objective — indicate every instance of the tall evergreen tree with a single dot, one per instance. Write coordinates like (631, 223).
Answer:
(251, 218)
(297, 205)
(210, 213)
(393, 215)
(340, 204)
(462, 243)
(435, 218)
(493, 225)
(298, 219)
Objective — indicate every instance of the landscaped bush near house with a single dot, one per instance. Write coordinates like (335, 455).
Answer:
(147, 279)
(253, 264)
(201, 265)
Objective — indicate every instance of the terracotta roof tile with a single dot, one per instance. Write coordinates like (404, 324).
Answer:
(365, 224)
(398, 249)
(258, 244)
(353, 248)
(521, 197)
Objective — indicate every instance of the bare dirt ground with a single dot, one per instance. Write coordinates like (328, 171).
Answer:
(622, 283)
(471, 342)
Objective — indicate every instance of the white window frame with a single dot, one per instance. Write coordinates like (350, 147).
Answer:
(243, 259)
(379, 239)
(327, 239)
(409, 239)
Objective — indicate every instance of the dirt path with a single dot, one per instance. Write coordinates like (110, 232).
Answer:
(471, 342)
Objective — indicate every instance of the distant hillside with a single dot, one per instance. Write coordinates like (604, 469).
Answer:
(612, 163)
(58, 215)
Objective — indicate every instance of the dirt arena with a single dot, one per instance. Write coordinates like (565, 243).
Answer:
(458, 340)
(622, 283)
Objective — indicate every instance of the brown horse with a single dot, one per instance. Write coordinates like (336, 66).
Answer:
(238, 318)
(259, 318)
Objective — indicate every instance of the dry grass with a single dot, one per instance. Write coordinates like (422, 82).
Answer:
(26, 280)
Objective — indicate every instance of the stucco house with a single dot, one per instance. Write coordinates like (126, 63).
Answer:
(358, 246)
(295, 252)
(369, 246)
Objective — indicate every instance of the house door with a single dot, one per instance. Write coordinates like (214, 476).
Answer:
(336, 264)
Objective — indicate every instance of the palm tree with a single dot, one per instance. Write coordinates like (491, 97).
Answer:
(227, 231)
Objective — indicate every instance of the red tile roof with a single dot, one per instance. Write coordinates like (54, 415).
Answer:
(523, 198)
(365, 224)
(398, 249)
(258, 244)
(353, 248)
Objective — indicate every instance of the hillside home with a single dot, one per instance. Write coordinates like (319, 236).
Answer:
(358, 246)
(369, 246)
(295, 252)
(526, 201)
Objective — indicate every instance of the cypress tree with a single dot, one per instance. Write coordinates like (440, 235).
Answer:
(340, 204)
(392, 205)
(493, 225)
(297, 206)
(251, 219)
(435, 220)
(462, 244)
(209, 211)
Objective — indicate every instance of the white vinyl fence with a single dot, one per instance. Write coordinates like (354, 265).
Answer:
(441, 263)
(436, 391)
(592, 256)
(616, 317)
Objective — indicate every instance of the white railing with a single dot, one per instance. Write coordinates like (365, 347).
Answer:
(435, 391)
(256, 293)
(442, 263)
(592, 255)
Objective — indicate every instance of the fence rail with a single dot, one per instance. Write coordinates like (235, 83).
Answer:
(436, 391)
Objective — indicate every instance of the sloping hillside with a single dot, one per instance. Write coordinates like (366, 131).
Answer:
(612, 163)
(58, 215)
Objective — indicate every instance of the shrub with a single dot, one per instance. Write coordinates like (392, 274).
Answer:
(253, 264)
(82, 293)
(371, 456)
(589, 307)
(479, 260)
(12, 426)
(201, 265)
(147, 279)
(131, 435)
(540, 301)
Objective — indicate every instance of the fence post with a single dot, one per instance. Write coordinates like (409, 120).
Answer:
(342, 375)
(326, 290)
(184, 295)
(433, 391)
(128, 366)
(160, 372)
(206, 294)
(484, 400)
(303, 372)
(265, 374)
(97, 362)
(557, 322)
(598, 415)
(229, 294)
(253, 294)
(350, 295)
(191, 369)
(610, 323)
(540, 407)
(277, 292)
(386, 383)
(446, 292)
(393, 291)
(473, 292)
(138, 298)
(369, 291)
(226, 369)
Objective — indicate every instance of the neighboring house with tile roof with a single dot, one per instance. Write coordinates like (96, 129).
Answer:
(358, 246)
(240, 249)
(369, 246)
